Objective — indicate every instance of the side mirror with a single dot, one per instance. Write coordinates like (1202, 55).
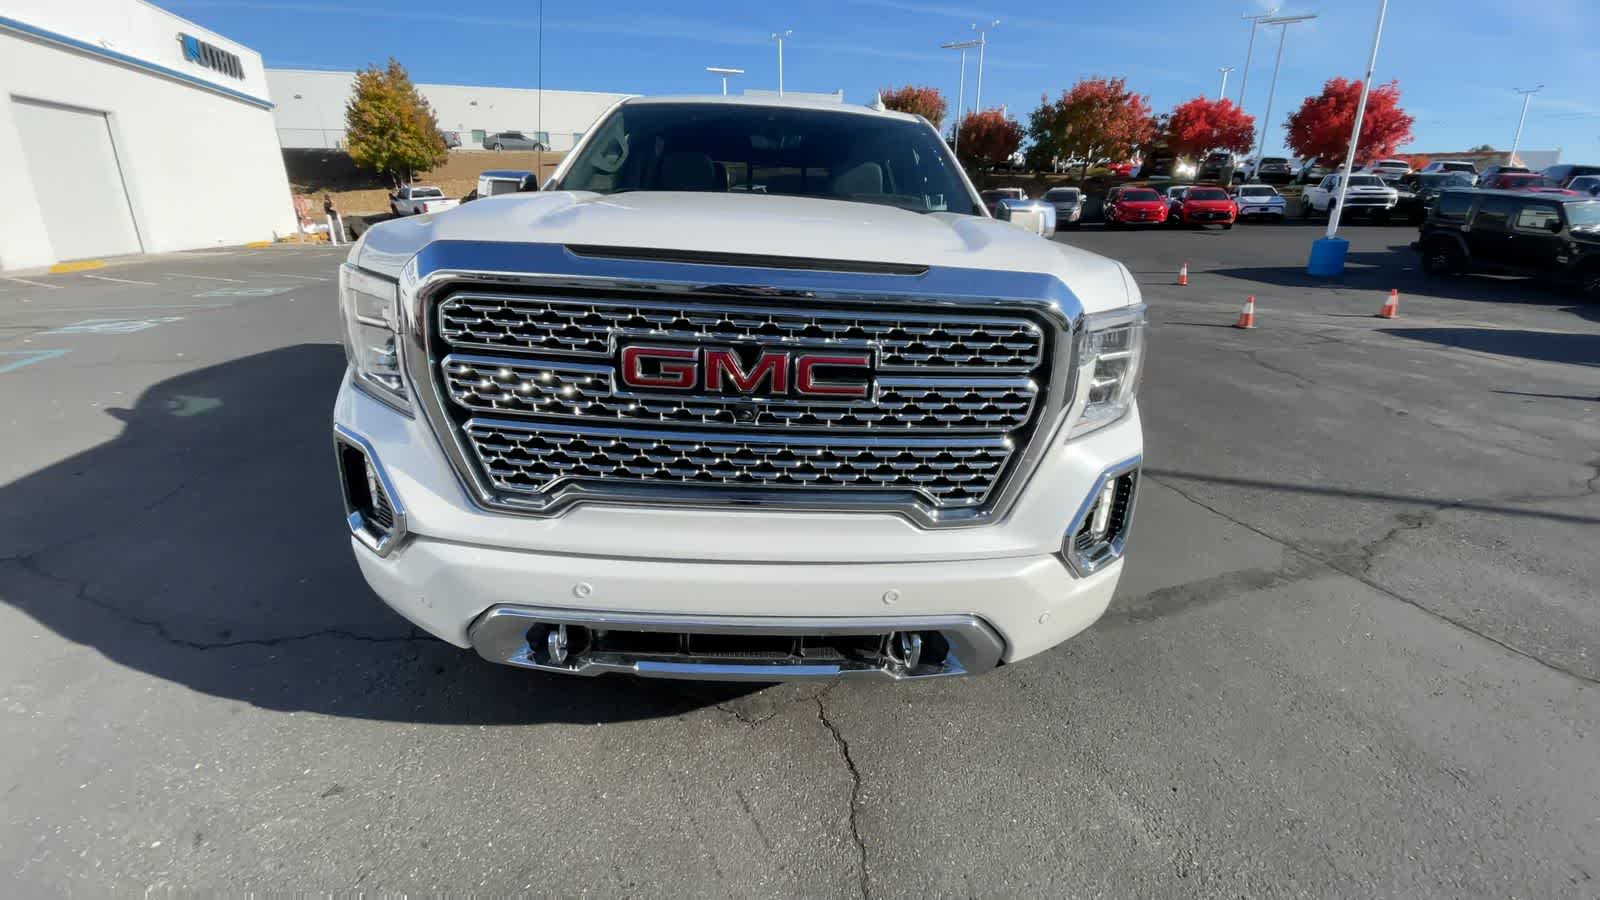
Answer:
(1554, 225)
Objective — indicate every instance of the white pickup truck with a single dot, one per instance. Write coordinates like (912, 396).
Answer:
(416, 199)
(758, 390)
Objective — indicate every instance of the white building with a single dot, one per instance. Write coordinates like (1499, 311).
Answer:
(311, 105)
(126, 129)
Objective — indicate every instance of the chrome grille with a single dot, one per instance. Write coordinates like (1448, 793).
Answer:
(533, 458)
(528, 380)
(590, 327)
(568, 390)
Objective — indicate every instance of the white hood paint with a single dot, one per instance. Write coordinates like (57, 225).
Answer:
(754, 224)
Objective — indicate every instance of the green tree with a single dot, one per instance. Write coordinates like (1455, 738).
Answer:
(1483, 148)
(389, 128)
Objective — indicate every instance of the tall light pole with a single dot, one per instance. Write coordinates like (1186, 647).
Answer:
(1328, 253)
(724, 72)
(1222, 89)
(961, 93)
(983, 42)
(1283, 23)
(1527, 94)
(779, 36)
(1244, 77)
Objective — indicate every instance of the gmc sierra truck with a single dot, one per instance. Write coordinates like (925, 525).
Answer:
(753, 389)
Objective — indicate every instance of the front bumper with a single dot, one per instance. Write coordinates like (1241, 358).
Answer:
(766, 572)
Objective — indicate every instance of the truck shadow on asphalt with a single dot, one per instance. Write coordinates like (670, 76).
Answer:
(205, 545)
(1544, 346)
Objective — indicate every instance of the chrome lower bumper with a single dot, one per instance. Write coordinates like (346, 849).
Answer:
(735, 648)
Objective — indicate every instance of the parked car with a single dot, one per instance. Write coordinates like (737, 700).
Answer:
(511, 140)
(1387, 169)
(1174, 196)
(416, 199)
(993, 196)
(1259, 200)
(1417, 191)
(1134, 206)
(1497, 169)
(1513, 181)
(1585, 184)
(1561, 174)
(1452, 165)
(452, 139)
(1068, 202)
(1548, 236)
(1274, 170)
(1366, 195)
(1311, 172)
(1216, 167)
(1206, 204)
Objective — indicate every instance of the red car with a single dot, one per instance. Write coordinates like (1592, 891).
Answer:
(1134, 206)
(1515, 181)
(1202, 206)
(1121, 169)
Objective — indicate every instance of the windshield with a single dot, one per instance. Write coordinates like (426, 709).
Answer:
(1139, 195)
(1063, 194)
(719, 147)
(1257, 192)
(1366, 181)
(1585, 214)
(426, 192)
(1208, 194)
(1274, 161)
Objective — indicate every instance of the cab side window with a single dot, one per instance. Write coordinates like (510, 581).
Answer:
(1537, 217)
(1453, 207)
(1493, 213)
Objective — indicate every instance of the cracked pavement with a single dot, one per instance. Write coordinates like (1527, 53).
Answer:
(1354, 652)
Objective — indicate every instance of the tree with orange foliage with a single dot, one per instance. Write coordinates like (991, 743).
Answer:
(988, 138)
(1320, 129)
(1095, 117)
(918, 100)
(1200, 125)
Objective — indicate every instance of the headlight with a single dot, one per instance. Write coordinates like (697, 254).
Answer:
(1110, 363)
(369, 307)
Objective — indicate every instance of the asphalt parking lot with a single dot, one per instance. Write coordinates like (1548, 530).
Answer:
(1355, 652)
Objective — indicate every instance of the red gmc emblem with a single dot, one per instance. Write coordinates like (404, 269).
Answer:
(831, 374)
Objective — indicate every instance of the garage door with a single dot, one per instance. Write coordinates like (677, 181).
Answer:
(73, 167)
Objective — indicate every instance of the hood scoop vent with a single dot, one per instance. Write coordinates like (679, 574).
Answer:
(744, 260)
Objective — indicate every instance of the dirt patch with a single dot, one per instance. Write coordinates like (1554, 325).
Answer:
(359, 192)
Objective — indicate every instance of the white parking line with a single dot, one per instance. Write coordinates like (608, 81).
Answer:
(53, 287)
(204, 277)
(291, 275)
(120, 280)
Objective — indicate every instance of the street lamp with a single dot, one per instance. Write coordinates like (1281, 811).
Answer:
(1517, 141)
(1244, 77)
(1283, 23)
(1328, 252)
(983, 42)
(961, 94)
(1223, 88)
(779, 36)
(724, 72)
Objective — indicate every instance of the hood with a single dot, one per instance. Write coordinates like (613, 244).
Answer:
(1141, 204)
(752, 224)
(1221, 204)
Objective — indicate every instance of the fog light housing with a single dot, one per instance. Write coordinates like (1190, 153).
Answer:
(372, 508)
(1098, 533)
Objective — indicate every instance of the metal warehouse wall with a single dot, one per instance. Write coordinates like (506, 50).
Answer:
(198, 155)
(311, 104)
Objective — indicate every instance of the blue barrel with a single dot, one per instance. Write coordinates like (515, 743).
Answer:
(1327, 257)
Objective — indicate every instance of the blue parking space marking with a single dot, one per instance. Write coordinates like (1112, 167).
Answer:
(112, 326)
(12, 360)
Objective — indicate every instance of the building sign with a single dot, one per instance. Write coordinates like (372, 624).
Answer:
(216, 58)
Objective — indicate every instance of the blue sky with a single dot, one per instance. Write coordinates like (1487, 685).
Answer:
(1457, 61)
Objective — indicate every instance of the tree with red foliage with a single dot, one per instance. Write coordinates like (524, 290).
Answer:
(988, 138)
(1095, 117)
(918, 100)
(1201, 125)
(1320, 129)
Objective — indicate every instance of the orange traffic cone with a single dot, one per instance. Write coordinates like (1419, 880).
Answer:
(1391, 307)
(1183, 275)
(1247, 316)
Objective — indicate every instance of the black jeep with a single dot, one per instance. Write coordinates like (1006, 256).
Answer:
(1526, 233)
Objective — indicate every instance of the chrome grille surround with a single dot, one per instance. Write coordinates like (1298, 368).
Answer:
(1006, 411)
